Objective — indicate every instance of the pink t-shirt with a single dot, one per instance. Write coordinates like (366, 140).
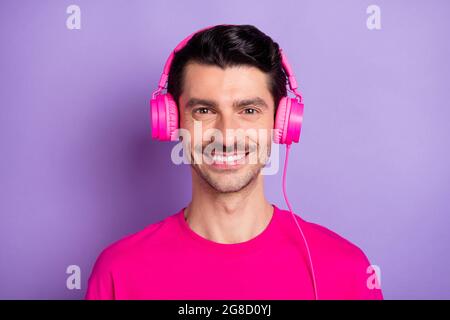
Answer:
(168, 260)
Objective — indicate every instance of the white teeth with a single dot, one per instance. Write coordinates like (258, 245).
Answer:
(219, 158)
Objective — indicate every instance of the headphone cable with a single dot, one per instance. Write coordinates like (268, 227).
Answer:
(288, 146)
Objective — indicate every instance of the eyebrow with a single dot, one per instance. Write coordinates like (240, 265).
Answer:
(236, 104)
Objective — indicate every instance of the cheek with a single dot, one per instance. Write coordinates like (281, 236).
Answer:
(187, 125)
(264, 131)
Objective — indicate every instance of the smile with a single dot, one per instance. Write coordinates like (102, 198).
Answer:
(227, 161)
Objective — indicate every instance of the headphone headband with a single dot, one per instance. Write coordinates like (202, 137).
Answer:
(165, 75)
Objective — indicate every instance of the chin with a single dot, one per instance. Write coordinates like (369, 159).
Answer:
(228, 181)
(226, 188)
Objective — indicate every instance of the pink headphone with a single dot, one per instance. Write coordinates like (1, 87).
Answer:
(164, 111)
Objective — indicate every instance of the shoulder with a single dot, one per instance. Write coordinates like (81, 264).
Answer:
(129, 248)
(335, 245)
(330, 244)
(124, 256)
(338, 261)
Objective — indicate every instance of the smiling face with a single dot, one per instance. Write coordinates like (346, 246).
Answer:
(236, 112)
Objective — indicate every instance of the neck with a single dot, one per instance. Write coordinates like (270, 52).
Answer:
(229, 217)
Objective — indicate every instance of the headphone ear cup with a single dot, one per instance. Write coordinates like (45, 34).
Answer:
(164, 113)
(279, 135)
(288, 121)
(294, 123)
(172, 117)
(154, 117)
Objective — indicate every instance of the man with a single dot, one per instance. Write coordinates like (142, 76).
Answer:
(229, 242)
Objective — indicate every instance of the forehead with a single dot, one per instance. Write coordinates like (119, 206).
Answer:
(232, 82)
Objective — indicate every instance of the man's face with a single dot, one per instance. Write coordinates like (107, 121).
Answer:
(227, 100)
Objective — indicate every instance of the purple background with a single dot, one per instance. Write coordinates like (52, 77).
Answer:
(78, 168)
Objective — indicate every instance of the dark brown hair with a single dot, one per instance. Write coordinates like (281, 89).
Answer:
(227, 46)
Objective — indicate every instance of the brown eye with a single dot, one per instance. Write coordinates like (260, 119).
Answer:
(201, 110)
(203, 113)
(250, 111)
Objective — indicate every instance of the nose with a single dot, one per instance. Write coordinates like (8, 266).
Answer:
(226, 120)
(228, 123)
